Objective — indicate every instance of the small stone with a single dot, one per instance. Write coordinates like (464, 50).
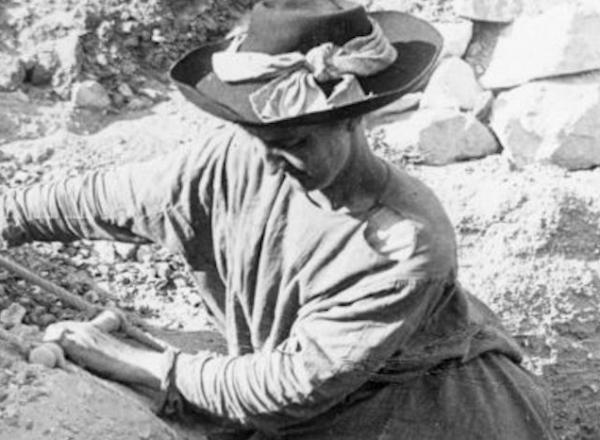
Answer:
(12, 72)
(157, 36)
(27, 158)
(106, 252)
(125, 90)
(41, 155)
(25, 301)
(139, 103)
(145, 254)
(131, 41)
(13, 315)
(90, 94)
(128, 67)
(22, 177)
(118, 99)
(163, 270)
(38, 311)
(91, 296)
(44, 355)
(153, 94)
(102, 59)
(126, 251)
(128, 26)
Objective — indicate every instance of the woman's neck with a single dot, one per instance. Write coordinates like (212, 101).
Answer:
(358, 187)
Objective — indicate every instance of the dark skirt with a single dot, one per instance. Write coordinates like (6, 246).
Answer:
(488, 398)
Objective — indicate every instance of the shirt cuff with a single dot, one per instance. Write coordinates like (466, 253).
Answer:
(170, 401)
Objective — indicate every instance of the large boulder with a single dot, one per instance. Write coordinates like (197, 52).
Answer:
(562, 40)
(438, 137)
(499, 11)
(452, 85)
(551, 121)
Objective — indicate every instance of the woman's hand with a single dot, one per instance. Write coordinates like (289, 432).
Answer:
(107, 356)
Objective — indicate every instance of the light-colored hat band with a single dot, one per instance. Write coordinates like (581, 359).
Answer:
(294, 89)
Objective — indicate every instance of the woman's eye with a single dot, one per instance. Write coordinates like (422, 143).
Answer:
(298, 144)
(288, 145)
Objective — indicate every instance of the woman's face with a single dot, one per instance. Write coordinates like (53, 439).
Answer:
(313, 155)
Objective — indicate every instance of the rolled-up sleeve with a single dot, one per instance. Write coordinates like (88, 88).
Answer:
(334, 348)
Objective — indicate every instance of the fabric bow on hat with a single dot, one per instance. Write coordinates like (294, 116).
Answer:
(294, 88)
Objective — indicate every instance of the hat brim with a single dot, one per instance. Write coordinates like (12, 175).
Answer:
(417, 42)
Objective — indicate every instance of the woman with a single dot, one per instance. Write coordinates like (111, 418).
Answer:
(331, 273)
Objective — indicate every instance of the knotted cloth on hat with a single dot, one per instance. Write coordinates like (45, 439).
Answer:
(294, 90)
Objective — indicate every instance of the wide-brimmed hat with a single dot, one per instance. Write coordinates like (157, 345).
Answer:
(292, 26)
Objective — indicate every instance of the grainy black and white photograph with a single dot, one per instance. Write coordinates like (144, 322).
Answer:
(299, 219)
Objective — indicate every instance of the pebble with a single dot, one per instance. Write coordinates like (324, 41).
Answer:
(151, 93)
(125, 90)
(46, 319)
(139, 103)
(126, 251)
(91, 296)
(25, 301)
(163, 270)
(13, 315)
(90, 94)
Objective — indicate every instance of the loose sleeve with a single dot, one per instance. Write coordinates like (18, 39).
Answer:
(334, 347)
(167, 200)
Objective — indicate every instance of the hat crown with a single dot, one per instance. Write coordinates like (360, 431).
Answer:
(280, 26)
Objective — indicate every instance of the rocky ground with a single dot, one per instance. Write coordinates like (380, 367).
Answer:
(529, 238)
